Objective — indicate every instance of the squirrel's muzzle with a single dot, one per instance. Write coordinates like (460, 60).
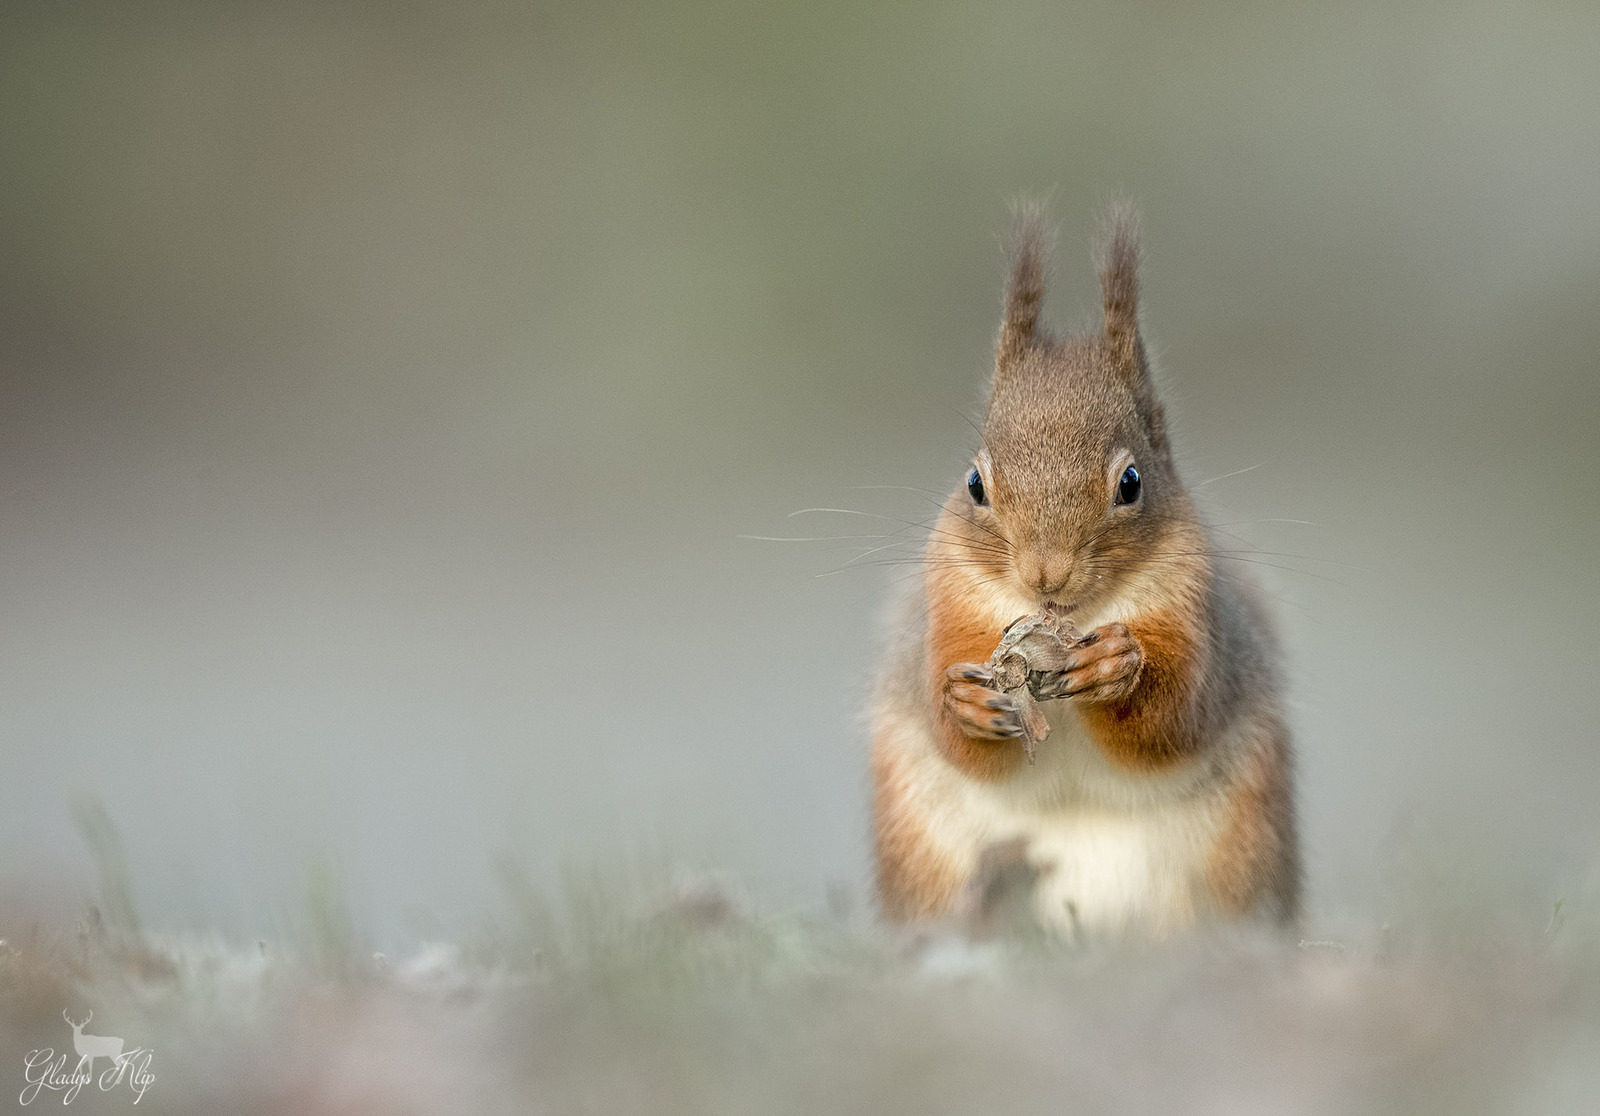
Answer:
(1042, 573)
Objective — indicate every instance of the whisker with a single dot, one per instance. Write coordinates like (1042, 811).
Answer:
(1222, 552)
(985, 529)
(1235, 473)
(908, 522)
(928, 492)
(936, 499)
(1134, 560)
(808, 538)
(841, 511)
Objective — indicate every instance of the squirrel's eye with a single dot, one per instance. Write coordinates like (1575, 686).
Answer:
(1128, 486)
(975, 487)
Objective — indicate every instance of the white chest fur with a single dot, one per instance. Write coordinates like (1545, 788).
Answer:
(1109, 871)
(1116, 850)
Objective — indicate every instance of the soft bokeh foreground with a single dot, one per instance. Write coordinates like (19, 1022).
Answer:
(654, 994)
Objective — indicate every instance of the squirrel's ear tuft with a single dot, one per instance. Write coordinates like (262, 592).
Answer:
(1116, 255)
(1030, 248)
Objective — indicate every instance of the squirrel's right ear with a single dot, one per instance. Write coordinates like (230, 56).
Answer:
(1030, 246)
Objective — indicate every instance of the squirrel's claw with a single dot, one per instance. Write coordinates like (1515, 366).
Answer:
(982, 711)
(1105, 667)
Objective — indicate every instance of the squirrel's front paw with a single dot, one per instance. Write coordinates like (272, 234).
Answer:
(1104, 667)
(981, 710)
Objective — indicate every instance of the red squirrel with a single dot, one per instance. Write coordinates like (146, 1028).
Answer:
(1163, 795)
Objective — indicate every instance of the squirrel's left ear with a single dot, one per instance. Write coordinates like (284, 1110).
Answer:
(1116, 256)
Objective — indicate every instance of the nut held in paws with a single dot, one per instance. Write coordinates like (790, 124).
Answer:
(1031, 647)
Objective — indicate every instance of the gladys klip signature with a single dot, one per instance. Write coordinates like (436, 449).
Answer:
(45, 1069)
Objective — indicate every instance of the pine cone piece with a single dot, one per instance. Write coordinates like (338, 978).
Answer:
(1031, 647)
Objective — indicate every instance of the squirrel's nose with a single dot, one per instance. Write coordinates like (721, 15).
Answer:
(1043, 575)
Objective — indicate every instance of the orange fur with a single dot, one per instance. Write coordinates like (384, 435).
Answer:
(1254, 862)
(958, 632)
(914, 880)
(1155, 726)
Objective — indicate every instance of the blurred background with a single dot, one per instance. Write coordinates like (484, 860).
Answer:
(386, 392)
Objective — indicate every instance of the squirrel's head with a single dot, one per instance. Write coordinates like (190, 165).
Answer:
(1074, 483)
